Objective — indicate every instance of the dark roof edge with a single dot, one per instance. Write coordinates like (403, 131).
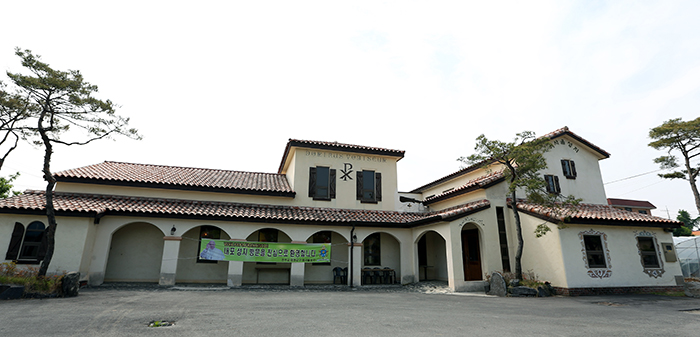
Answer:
(450, 176)
(381, 152)
(457, 193)
(175, 187)
(582, 141)
(578, 221)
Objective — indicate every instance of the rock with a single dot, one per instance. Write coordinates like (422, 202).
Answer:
(12, 292)
(522, 291)
(497, 285)
(71, 284)
(514, 282)
(692, 289)
(542, 291)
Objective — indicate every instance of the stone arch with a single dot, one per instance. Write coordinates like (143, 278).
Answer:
(323, 272)
(264, 272)
(191, 269)
(431, 253)
(135, 253)
(388, 254)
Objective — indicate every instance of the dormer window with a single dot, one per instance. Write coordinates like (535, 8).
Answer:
(369, 186)
(569, 168)
(321, 183)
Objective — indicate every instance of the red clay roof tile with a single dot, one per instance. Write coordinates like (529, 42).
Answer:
(92, 205)
(179, 177)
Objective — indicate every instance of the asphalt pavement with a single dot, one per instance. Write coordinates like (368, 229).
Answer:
(338, 311)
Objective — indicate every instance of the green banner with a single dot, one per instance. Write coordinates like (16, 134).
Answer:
(224, 250)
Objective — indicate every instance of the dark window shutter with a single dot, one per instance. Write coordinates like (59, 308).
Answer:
(563, 168)
(556, 184)
(573, 168)
(378, 185)
(43, 246)
(359, 185)
(332, 184)
(15, 242)
(312, 182)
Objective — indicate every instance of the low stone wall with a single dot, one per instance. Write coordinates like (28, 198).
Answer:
(616, 290)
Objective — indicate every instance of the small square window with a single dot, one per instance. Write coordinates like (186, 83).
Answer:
(321, 183)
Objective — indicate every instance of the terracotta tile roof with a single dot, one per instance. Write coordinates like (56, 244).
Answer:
(597, 214)
(630, 203)
(474, 184)
(335, 146)
(160, 176)
(91, 205)
(554, 134)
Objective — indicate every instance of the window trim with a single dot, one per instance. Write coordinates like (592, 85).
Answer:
(360, 188)
(18, 245)
(652, 271)
(314, 186)
(552, 187)
(596, 271)
(568, 168)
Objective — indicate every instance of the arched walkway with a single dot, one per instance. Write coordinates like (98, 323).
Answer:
(267, 272)
(315, 273)
(432, 257)
(379, 251)
(190, 268)
(135, 254)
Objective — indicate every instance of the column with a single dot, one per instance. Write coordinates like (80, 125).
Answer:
(296, 274)
(235, 271)
(168, 266)
(355, 254)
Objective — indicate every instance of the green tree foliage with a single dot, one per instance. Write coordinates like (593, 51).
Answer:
(523, 159)
(675, 135)
(64, 111)
(689, 224)
(6, 186)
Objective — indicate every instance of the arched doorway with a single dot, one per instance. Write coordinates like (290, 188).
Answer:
(267, 272)
(316, 273)
(380, 251)
(471, 253)
(191, 268)
(432, 257)
(135, 254)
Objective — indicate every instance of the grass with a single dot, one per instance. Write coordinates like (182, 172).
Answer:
(27, 277)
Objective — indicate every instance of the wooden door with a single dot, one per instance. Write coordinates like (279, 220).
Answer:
(471, 256)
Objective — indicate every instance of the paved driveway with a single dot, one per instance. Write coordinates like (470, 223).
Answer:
(329, 312)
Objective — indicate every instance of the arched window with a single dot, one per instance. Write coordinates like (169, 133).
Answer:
(27, 246)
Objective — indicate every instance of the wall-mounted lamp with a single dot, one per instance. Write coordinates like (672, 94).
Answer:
(172, 230)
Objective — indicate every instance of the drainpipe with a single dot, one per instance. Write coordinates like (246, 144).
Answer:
(352, 247)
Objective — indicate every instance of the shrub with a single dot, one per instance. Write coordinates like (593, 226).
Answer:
(27, 277)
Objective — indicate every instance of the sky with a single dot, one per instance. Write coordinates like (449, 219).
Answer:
(225, 84)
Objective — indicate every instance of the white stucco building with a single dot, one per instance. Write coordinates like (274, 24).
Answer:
(142, 223)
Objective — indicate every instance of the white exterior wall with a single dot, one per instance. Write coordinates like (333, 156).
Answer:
(72, 241)
(345, 189)
(588, 184)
